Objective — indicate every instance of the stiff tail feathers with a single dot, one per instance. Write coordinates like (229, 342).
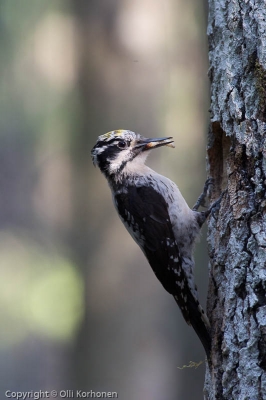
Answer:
(196, 317)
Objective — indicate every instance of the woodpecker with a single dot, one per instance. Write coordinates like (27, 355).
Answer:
(157, 217)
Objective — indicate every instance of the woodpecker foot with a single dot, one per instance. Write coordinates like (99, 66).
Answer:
(202, 198)
(203, 215)
(215, 206)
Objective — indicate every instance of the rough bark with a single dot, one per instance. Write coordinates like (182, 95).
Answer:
(237, 236)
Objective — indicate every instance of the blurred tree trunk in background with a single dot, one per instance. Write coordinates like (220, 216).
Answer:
(83, 238)
(237, 239)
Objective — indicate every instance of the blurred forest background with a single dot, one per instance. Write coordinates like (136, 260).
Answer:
(80, 307)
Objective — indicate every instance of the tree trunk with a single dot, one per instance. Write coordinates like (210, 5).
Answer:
(237, 162)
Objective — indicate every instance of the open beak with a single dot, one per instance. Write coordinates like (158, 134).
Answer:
(148, 144)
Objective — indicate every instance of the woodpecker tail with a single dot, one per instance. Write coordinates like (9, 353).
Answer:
(196, 317)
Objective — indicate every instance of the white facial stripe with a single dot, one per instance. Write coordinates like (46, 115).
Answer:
(135, 165)
(101, 149)
(122, 157)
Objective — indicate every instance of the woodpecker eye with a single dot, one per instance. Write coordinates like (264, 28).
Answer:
(122, 144)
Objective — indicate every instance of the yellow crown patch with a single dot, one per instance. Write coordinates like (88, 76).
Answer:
(112, 134)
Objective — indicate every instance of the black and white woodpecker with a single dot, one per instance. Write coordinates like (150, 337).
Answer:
(157, 217)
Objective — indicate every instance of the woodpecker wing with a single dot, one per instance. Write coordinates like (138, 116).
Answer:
(144, 212)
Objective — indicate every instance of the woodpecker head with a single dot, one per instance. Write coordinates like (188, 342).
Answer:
(120, 151)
